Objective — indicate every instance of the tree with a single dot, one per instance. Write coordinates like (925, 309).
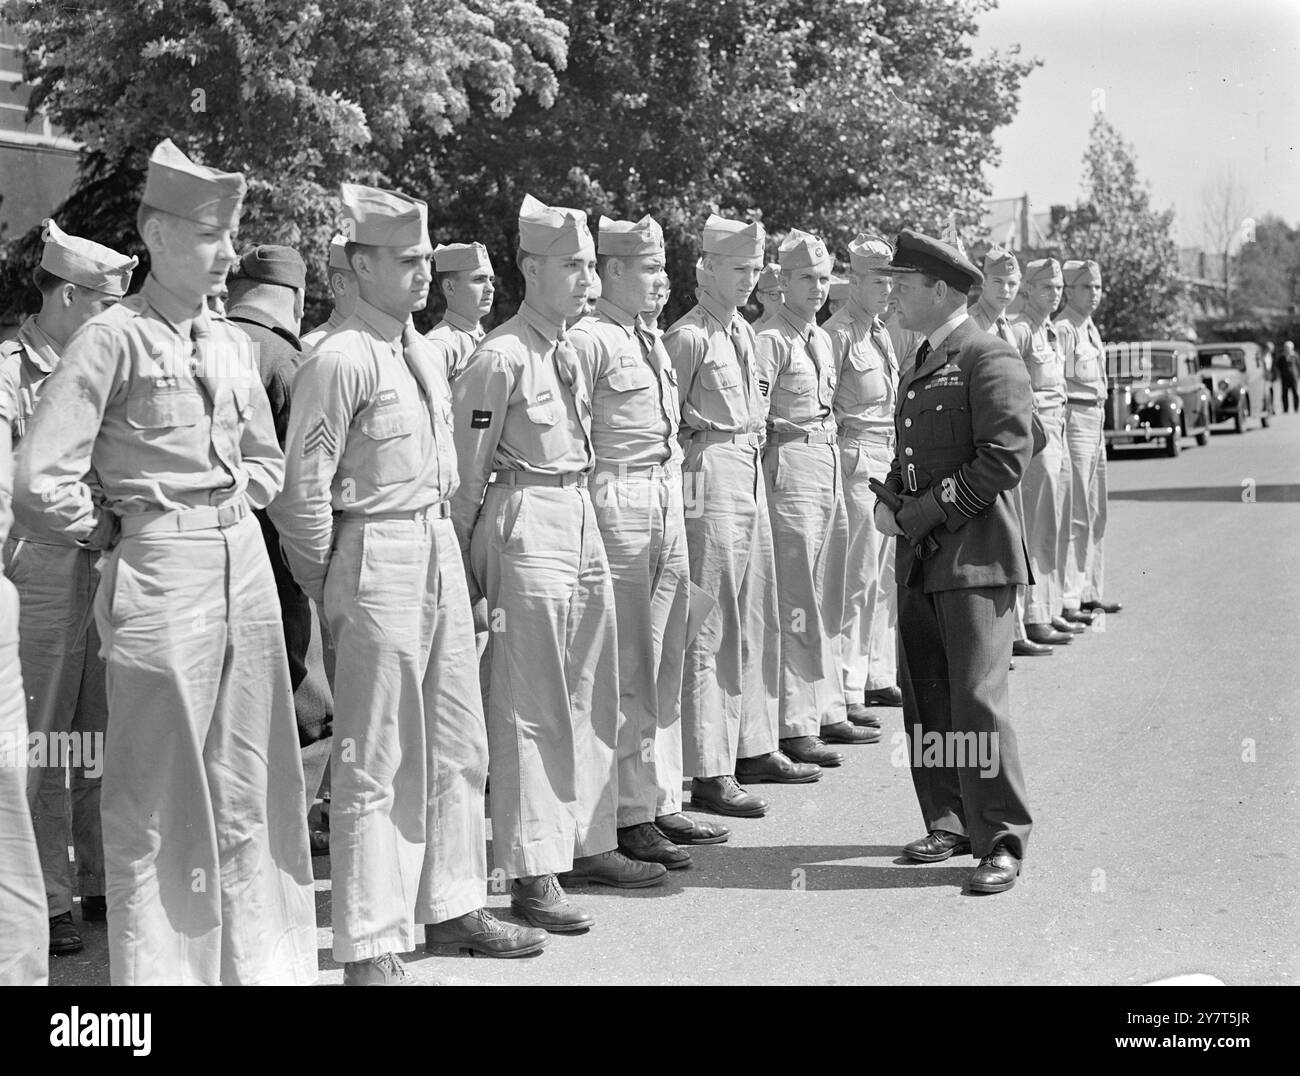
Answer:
(296, 94)
(1114, 225)
(1268, 269)
(1224, 223)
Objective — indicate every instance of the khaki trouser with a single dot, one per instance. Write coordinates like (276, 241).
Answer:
(732, 672)
(639, 511)
(205, 838)
(870, 638)
(1085, 446)
(1044, 499)
(810, 532)
(24, 926)
(409, 762)
(66, 704)
(553, 691)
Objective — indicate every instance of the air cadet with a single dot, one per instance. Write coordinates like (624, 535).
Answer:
(205, 840)
(1042, 491)
(732, 671)
(463, 273)
(638, 499)
(805, 496)
(989, 312)
(343, 287)
(768, 293)
(836, 296)
(1085, 444)
(964, 440)
(523, 420)
(56, 580)
(867, 386)
(365, 523)
(24, 926)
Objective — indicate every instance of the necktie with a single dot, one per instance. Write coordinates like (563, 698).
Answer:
(741, 347)
(566, 369)
(420, 371)
(1004, 329)
(880, 337)
(821, 360)
(922, 353)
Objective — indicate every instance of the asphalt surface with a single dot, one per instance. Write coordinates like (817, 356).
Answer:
(1160, 751)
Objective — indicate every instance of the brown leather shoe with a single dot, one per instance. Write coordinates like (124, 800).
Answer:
(1046, 635)
(386, 969)
(1101, 607)
(647, 844)
(885, 696)
(94, 909)
(64, 938)
(862, 715)
(724, 795)
(997, 871)
(539, 900)
(778, 768)
(480, 933)
(614, 869)
(1076, 616)
(1025, 648)
(936, 846)
(847, 732)
(683, 829)
(811, 749)
(1068, 627)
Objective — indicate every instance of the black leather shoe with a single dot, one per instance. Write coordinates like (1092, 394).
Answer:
(724, 795)
(1101, 607)
(1026, 648)
(647, 844)
(778, 768)
(1077, 616)
(614, 869)
(861, 715)
(936, 846)
(94, 909)
(384, 970)
(1011, 666)
(1068, 627)
(480, 933)
(540, 901)
(1045, 635)
(997, 871)
(682, 829)
(847, 732)
(63, 935)
(885, 696)
(811, 749)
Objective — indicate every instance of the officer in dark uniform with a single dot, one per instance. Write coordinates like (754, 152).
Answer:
(964, 441)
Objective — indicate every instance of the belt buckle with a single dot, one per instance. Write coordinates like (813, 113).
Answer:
(227, 514)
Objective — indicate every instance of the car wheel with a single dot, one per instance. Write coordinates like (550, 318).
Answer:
(1172, 447)
(1243, 415)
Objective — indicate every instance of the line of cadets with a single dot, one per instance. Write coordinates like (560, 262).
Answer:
(585, 555)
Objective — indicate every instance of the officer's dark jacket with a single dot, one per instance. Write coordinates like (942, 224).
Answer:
(963, 425)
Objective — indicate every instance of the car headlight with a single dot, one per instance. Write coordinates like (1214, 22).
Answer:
(1223, 386)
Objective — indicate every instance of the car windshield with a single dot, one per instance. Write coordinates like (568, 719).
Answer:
(1162, 364)
(1223, 360)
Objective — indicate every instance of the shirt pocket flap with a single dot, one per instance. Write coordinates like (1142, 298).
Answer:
(384, 424)
(629, 378)
(164, 409)
(544, 414)
(717, 376)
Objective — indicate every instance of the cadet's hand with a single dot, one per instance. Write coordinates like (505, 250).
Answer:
(886, 524)
(919, 516)
(106, 532)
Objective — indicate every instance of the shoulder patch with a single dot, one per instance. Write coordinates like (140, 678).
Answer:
(480, 420)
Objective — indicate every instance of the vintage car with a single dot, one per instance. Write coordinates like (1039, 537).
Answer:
(1234, 374)
(1155, 394)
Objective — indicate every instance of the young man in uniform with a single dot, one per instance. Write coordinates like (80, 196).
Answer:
(205, 840)
(769, 294)
(343, 286)
(463, 274)
(56, 580)
(523, 420)
(867, 386)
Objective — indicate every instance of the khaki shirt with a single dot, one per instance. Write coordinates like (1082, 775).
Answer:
(311, 339)
(455, 339)
(717, 384)
(520, 404)
(997, 324)
(633, 389)
(369, 433)
(1081, 352)
(27, 361)
(796, 372)
(1040, 348)
(165, 403)
(8, 409)
(867, 369)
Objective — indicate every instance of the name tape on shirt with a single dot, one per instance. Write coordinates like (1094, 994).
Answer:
(386, 398)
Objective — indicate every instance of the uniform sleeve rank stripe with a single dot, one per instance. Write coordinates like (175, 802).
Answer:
(764, 386)
(320, 437)
(966, 500)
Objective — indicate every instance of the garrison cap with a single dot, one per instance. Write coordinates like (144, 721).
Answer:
(1043, 271)
(702, 275)
(869, 253)
(86, 264)
(379, 218)
(917, 253)
(629, 238)
(803, 250)
(338, 258)
(1001, 262)
(839, 291)
(274, 265)
(733, 238)
(177, 185)
(770, 278)
(1079, 272)
(461, 257)
(546, 230)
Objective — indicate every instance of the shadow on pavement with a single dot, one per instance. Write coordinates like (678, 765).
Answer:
(1272, 494)
(814, 867)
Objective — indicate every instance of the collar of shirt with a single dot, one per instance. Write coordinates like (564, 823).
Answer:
(179, 314)
(715, 309)
(990, 314)
(942, 333)
(463, 324)
(1079, 321)
(387, 326)
(42, 349)
(799, 325)
(538, 322)
(255, 316)
(858, 314)
(618, 315)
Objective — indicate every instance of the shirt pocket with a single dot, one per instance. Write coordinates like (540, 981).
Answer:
(944, 418)
(164, 409)
(719, 377)
(626, 397)
(391, 444)
(864, 379)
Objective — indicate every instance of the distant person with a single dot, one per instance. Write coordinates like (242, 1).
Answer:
(1288, 372)
(1270, 373)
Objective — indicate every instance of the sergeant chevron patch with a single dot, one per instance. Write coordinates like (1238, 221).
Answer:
(320, 437)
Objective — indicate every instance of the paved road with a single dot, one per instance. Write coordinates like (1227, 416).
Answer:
(1161, 756)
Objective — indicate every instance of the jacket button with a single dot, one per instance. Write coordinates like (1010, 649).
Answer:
(907, 451)
(911, 394)
(938, 407)
(907, 422)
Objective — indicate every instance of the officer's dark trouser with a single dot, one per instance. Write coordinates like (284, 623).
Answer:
(1290, 397)
(953, 647)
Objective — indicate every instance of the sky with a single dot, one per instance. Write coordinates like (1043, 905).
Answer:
(1202, 91)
